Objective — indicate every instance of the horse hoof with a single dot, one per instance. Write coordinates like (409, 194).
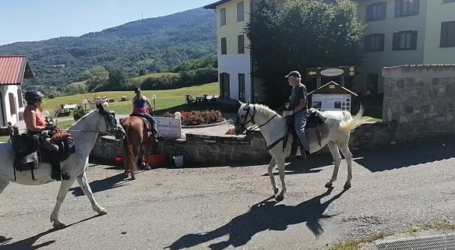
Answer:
(275, 191)
(102, 212)
(58, 225)
(347, 186)
(328, 185)
(279, 197)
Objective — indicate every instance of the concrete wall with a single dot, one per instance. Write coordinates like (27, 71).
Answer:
(201, 149)
(437, 12)
(421, 99)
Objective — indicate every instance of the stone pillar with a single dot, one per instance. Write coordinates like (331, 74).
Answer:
(420, 99)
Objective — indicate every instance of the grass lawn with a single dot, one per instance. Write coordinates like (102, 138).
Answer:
(165, 99)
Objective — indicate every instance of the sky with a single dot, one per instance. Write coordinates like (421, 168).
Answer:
(34, 20)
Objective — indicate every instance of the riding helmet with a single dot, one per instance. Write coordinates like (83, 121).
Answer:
(33, 95)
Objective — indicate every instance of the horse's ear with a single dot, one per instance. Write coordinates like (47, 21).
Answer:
(248, 103)
(241, 103)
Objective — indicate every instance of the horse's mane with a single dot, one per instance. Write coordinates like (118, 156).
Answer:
(264, 110)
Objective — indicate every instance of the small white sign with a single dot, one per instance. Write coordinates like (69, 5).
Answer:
(325, 102)
(169, 127)
(332, 72)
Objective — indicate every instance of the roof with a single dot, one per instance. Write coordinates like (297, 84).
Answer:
(14, 69)
(419, 66)
(333, 83)
(213, 5)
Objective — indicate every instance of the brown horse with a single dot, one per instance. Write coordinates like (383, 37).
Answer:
(137, 142)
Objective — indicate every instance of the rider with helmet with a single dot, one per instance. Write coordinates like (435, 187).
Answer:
(139, 102)
(36, 124)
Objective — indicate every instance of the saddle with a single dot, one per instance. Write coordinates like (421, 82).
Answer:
(30, 152)
(153, 135)
(314, 120)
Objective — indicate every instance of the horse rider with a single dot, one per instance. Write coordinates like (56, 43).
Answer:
(298, 109)
(139, 102)
(36, 125)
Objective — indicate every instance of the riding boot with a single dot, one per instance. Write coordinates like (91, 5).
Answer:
(55, 163)
(305, 154)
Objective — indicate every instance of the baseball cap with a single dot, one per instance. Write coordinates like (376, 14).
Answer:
(293, 73)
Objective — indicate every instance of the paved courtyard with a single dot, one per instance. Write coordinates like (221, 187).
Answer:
(225, 207)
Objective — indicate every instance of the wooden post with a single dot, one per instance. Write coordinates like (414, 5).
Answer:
(318, 82)
(342, 81)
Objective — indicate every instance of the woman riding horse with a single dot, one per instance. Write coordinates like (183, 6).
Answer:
(36, 125)
(139, 102)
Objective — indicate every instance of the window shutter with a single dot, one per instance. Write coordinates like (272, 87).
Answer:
(398, 8)
(416, 6)
(368, 13)
(381, 42)
(444, 34)
(414, 40)
(396, 41)
(366, 43)
(384, 10)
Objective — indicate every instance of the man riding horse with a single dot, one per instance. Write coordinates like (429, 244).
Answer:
(298, 109)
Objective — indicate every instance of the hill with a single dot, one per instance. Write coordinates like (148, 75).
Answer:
(154, 45)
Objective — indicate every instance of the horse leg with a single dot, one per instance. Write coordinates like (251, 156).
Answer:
(64, 187)
(272, 178)
(85, 186)
(280, 163)
(348, 157)
(4, 181)
(337, 159)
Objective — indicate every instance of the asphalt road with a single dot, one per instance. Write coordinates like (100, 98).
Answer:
(222, 207)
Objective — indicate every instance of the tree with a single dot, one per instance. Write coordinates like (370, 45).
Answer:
(96, 77)
(299, 35)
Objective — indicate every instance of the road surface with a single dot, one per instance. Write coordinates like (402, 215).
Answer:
(220, 207)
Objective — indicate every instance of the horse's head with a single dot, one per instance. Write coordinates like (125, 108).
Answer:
(108, 123)
(245, 117)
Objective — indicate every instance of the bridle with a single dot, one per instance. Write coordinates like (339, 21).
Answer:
(108, 119)
(249, 115)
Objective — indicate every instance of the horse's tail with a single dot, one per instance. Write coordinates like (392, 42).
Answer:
(350, 123)
(129, 156)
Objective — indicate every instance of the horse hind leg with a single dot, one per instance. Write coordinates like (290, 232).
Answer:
(85, 186)
(344, 147)
(337, 159)
(4, 181)
(64, 187)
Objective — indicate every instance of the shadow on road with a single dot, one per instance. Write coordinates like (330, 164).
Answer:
(399, 156)
(112, 182)
(28, 243)
(263, 216)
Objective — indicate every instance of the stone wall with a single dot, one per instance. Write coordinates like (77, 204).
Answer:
(420, 99)
(202, 149)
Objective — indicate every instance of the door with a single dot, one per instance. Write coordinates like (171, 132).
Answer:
(372, 84)
(2, 109)
(225, 88)
(242, 87)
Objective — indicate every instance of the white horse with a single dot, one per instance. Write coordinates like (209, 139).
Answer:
(335, 132)
(85, 132)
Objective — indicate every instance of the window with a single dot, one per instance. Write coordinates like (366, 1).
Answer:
(406, 8)
(225, 85)
(222, 17)
(223, 46)
(12, 104)
(376, 11)
(19, 95)
(374, 42)
(242, 87)
(405, 40)
(447, 34)
(448, 1)
(241, 44)
(240, 12)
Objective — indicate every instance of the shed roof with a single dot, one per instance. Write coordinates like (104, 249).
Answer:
(332, 83)
(14, 69)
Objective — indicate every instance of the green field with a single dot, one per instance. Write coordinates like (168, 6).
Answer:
(165, 99)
